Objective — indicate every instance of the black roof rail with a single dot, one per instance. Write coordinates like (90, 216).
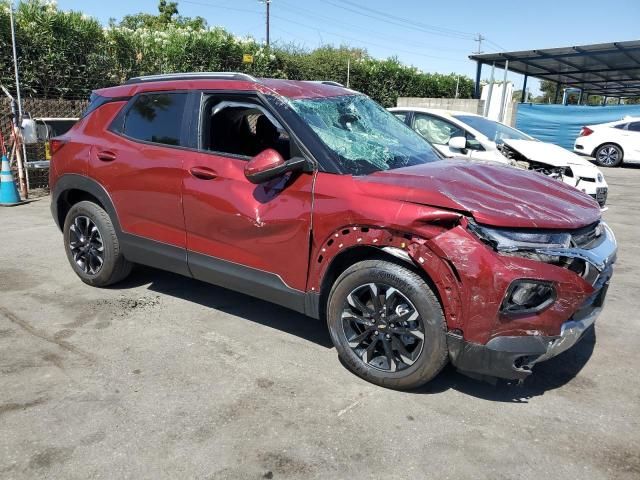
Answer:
(327, 82)
(191, 76)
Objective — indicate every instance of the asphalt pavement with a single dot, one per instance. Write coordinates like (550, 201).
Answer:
(166, 377)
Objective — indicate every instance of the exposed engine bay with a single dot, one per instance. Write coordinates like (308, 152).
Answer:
(521, 161)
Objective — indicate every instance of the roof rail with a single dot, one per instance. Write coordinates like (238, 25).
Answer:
(326, 82)
(192, 76)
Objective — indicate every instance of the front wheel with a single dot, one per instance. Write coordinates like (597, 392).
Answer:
(609, 155)
(387, 324)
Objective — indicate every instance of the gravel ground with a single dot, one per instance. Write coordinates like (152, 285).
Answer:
(166, 377)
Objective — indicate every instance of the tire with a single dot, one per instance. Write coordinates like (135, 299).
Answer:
(94, 253)
(405, 294)
(609, 155)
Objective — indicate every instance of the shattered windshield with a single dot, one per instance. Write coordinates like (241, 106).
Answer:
(364, 137)
(494, 131)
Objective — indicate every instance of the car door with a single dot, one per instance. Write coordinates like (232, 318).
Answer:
(438, 132)
(251, 238)
(139, 162)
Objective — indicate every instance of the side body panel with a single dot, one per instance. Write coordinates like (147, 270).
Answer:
(145, 183)
(264, 227)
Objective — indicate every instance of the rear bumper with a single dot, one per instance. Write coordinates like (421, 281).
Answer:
(512, 357)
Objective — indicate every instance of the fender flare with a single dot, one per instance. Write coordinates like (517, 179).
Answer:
(73, 181)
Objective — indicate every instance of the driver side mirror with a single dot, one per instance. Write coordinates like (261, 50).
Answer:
(459, 143)
(269, 164)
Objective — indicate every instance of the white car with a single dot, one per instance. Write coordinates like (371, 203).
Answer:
(610, 143)
(456, 133)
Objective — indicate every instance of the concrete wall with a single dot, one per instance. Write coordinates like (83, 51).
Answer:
(469, 105)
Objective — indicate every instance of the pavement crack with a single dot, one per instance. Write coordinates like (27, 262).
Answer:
(13, 318)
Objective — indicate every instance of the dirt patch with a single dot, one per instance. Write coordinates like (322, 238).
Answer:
(123, 305)
(6, 332)
(623, 462)
(50, 456)
(27, 327)
(12, 407)
(264, 383)
(277, 463)
(14, 280)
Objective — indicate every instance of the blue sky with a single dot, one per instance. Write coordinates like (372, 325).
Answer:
(439, 41)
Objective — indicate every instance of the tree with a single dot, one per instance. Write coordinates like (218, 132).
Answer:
(167, 15)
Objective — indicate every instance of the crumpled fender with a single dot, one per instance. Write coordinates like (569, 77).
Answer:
(416, 248)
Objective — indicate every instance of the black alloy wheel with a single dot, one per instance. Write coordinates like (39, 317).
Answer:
(86, 245)
(382, 327)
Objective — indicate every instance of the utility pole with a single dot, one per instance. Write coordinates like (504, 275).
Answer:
(479, 40)
(268, 3)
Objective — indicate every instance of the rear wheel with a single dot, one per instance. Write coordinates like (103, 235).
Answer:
(92, 246)
(387, 324)
(609, 155)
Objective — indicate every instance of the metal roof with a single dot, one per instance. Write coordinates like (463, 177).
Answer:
(608, 69)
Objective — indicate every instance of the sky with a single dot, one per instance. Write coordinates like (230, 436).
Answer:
(435, 36)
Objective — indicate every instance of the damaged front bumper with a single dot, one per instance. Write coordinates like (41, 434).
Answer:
(512, 357)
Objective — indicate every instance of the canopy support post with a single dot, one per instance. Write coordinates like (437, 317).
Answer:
(476, 93)
(523, 97)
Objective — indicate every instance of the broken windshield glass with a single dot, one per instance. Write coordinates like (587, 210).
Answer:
(364, 137)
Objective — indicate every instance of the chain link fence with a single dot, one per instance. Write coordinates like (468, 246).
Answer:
(39, 108)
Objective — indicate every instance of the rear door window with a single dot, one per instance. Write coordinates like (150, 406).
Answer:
(634, 127)
(156, 118)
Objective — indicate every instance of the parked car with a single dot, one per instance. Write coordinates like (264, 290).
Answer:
(314, 197)
(473, 136)
(610, 143)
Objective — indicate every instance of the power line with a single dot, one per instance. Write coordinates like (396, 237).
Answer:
(387, 47)
(306, 12)
(387, 17)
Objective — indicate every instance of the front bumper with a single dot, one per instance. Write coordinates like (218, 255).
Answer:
(512, 357)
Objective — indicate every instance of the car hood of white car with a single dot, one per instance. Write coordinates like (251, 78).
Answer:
(547, 153)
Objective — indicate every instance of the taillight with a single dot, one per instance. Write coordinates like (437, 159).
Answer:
(55, 144)
(585, 132)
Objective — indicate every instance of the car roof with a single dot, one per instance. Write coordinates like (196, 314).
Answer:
(293, 89)
(622, 121)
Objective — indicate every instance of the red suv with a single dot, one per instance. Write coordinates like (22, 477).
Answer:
(314, 197)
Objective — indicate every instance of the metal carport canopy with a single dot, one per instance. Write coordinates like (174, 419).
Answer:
(607, 69)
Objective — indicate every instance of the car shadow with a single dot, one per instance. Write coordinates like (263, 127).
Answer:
(546, 376)
(228, 301)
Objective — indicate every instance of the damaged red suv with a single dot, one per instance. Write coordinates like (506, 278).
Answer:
(314, 197)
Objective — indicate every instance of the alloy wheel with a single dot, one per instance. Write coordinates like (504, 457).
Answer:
(608, 155)
(86, 245)
(382, 327)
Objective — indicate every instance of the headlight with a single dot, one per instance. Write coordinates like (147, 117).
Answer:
(505, 240)
(528, 296)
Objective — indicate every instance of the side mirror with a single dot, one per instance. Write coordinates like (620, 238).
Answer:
(459, 143)
(269, 164)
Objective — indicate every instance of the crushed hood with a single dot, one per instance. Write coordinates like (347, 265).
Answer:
(546, 153)
(494, 195)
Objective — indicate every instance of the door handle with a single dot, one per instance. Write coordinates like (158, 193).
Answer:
(204, 173)
(106, 156)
